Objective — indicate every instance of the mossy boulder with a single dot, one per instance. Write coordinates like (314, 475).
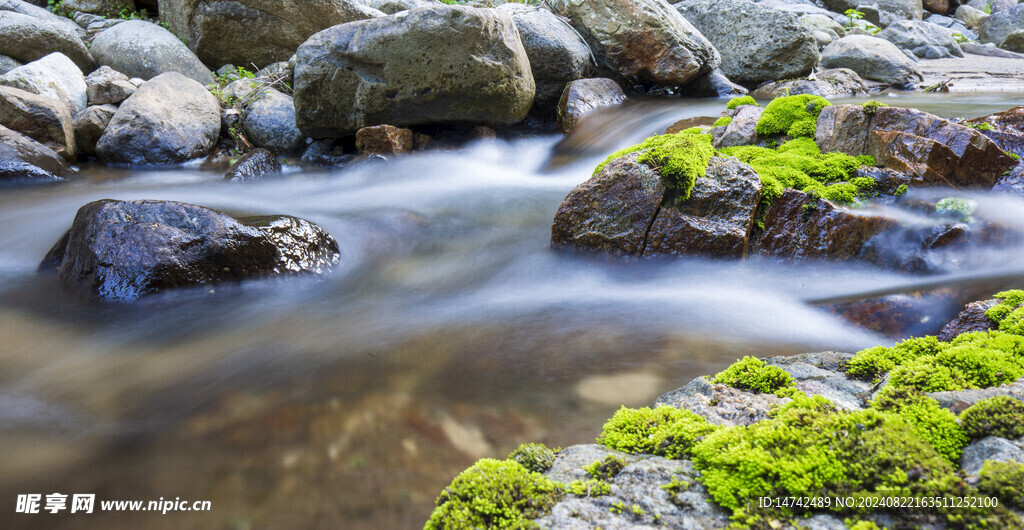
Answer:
(1001, 416)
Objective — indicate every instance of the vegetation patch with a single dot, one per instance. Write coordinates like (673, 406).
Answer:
(607, 468)
(1001, 416)
(664, 431)
(680, 158)
(794, 116)
(722, 122)
(800, 164)
(956, 208)
(494, 494)
(535, 457)
(872, 106)
(930, 422)
(1009, 313)
(753, 375)
(742, 100)
(1004, 481)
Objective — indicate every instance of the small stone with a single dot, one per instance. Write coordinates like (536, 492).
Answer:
(384, 140)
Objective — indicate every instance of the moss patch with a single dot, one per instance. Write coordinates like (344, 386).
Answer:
(753, 375)
(1000, 416)
(680, 158)
(494, 494)
(590, 488)
(607, 468)
(930, 422)
(800, 164)
(1004, 481)
(664, 431)
(872, 106)
(742, 100)
(955, 208)
(722, 122)
(1009, 313)
(533, 456)
(794, 116)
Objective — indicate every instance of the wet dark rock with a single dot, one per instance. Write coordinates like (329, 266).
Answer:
(583, 96)
(42, 119)
(255, 31)
(429, 65)
(108, 86)
(750, 54)
(686, 123)
(325, 152)
(269, 122)
(119, 251)
(1007, 129)
(989, 448)
(647, 39)
(557, 53)
(90, 124)
(798, 226)
(1012, 183)
(741, 130)
(715, 220)
(142, 49)
(27, 38)
(898, 316)
(171, 119)
(384, 140)
(830, 83)
(715, 84)
(26, 160)
(972, 318)
(611, 212)
(254, 165)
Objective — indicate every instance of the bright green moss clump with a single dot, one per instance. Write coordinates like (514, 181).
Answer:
(591, 488)
(872, 363)
(494, 494)
(742, 100)
(1004, 481)
(800, 164)
(752, 374)
(872, 106)
(955, 207)
(664, 431)
(1000, 416)
(607, 468)
(680, 158)
(533, 456)
(1009, 313)
(795, 116)
(932, 423)
(722, 122)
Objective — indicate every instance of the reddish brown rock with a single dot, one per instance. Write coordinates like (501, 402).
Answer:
(843, 129)
(717, 218)
(798, 226)
(972, 318)
(940, 7)
(686, 123)
(383, 140)
(897, 316)
(1007, 131)
(926, 161)
(611, 212)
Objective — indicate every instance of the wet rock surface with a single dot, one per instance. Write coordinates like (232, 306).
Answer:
(25, 160)
(582, 96)
(254, 165)
(972, 318)
(384, 140)
(119, 251)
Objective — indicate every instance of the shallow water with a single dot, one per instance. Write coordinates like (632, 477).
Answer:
(449, 332)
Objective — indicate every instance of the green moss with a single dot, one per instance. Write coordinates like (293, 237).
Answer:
(955, 207)
(872, 363)
(607, 468)
(752, 374)
(811, 449)
(872, 106)
(932, 423)
(665, 431)
(1004, 481)
(861, 525)
(533, 456)
(742, 100)
(494, 494)
(1014, 155)
(1001, 416)
(591, 488)
(680, 158)
(800, 165)
(795, 116)
(972, 360)
(900, 190)
(723, 121)
(1008, 314)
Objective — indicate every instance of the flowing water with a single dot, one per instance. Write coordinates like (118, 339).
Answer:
(450, 331)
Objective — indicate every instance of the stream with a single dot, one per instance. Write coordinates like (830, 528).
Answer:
(448, 332)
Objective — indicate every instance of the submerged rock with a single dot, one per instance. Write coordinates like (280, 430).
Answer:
(171, 119)
(254, 165)
(582, 96)
(428, 65)
(972, 318)
(648, 39)
(26, 160)
(119, 251)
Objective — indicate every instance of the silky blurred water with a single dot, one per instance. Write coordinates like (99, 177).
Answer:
(450, 331)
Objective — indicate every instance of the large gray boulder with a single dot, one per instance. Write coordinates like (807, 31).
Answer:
(142, 49)
(923, 39)
(1000, 25)
(27, 38)
(54, 76)
(757, 43)
(26, 160)
(557, 53)
(170, 119)
(35, 11)
(434, 64)
(44, 120)
(269, 122)
(647, 39)
(255, 31)
(394, 6)
(871, 58)
(109, 8)
(8, 63)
